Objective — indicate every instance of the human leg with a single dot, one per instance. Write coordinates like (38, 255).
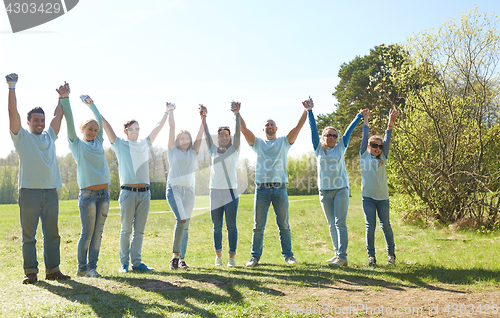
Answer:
(102, 208)
(385, 224)
(188, 203)
(280, 204)
(29, 212)
(216, 213)
(141, 217)
(341, 204)
(262, 201)
(231, 210)
(51, 239)
(326, 200)
(87, 207)
(369, 210)
(127, 212)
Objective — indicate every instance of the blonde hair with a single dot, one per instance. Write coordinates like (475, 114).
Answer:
(179, 135)
(324, 133)
(375, 137)
(84, 123)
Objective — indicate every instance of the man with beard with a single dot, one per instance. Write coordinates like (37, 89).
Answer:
(270, 185)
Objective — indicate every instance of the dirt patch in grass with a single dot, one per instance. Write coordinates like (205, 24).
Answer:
(351, 298)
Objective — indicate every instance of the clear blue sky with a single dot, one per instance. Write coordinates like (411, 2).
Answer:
(133, 56)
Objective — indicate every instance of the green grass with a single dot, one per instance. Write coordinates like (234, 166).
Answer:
(426, 258)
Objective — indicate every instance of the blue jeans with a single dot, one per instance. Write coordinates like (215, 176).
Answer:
(94, 207)
(335, 204)
(134, 210)
(181, 201)
(222, 200)
(41, 204)
(264, 196)
(371, 207)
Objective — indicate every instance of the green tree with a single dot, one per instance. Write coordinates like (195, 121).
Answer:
(365, 82)
(8, 188)
(446, 142)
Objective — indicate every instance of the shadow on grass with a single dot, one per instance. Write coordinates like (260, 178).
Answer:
(193, 291)
(103, 303)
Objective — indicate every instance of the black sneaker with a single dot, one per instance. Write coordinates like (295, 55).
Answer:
(174, 263)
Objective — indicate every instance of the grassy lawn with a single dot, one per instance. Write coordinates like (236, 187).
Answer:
(433, 267)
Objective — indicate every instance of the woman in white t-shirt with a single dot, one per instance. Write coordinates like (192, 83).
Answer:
(182, 154)
(224, 185)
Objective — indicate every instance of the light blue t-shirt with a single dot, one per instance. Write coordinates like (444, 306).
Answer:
(218, 175)
(133, 158)
(374, 176)
(373, 172)
(271, 160)
(181, 167)
(38, 167)
(92, 167)
(332, 173)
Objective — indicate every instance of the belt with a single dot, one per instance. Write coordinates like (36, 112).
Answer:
(143, 189)
(271, 184)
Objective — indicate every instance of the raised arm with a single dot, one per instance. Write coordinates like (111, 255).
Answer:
(349, 130)
(197, 142)
(90, 103)
(210, 142)
(109, 130)
(235, 108)
(14, 118)
(249, 136)
(154, 133)
(308, 105)
(366, 131)
(393, 115)
(68, 114)
(294, 133)
(171, 124)
(63, 92)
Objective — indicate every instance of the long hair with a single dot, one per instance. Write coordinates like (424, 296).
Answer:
(179, 135)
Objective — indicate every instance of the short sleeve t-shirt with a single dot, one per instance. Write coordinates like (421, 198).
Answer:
(181, 167)
(224, 168)
(38, 168)
(332, 173)
(133, 158)
(271, 160)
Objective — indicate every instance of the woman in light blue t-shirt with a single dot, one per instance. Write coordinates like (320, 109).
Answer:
(373, 155)
(333, 183)
(224, 186)
(182, 154)
(93, 179)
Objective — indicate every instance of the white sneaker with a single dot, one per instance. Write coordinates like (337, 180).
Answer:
(291, 260)
(252, 262)
(338, 262)
(231, 262)
(332, 259)
(218, 261)
(93, 273)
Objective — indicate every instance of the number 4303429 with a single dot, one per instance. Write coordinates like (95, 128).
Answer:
(26, 8)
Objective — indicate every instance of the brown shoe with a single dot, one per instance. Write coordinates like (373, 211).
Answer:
(57, 276)
(30, 279)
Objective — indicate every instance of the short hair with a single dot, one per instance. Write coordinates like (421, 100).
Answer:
(36, 110)
(129, 123)
(84, 123)
(179, 135)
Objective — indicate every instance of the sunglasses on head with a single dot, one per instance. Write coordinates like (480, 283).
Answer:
(375, 146)
(133, 129)
(223, 128)
(332, 135)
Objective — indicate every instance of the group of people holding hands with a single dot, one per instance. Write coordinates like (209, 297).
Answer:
(39, 178)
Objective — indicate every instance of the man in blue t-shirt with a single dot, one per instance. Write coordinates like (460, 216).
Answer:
(135, 196)
(38, 182)
(270, 185)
